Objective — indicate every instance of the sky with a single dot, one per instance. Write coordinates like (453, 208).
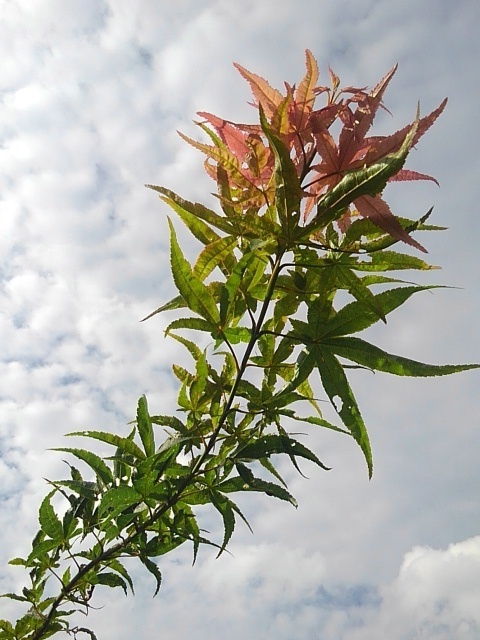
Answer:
(91, 95)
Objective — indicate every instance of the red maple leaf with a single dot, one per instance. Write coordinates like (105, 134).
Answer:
(247, 162)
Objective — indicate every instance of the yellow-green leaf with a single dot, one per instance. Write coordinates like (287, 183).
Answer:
(191, 288)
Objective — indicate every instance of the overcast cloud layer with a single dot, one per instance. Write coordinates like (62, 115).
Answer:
(91, 95)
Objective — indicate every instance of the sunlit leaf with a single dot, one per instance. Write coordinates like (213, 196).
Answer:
(199, 382)
(305, 94)
(213, 255)
(180, 205)
(255, 484)
(49, 520)
(92, 459)
(117, 499)
(264, 94)
(126, 445)
(267, 445)
(389, 261)
(359, 291)
(194, 350)
(144, 426)
(236, 335)
(355, 316)
(169, 421)
(372, 357)
(319, 422)
(343, 401)
(287, 184)
(197, 324)
(41, 549)
(193, 291)
(368, 181)
(377, 210)
(175, 303)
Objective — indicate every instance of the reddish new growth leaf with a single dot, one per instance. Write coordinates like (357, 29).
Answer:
(242, 162)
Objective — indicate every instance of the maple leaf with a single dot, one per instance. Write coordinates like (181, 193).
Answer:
(355, 150)
(304, 95)
(357, 123)
(231, 135)
(378, 211)
(379, 146)
(263, 93)
(351, 148)
(247, 160)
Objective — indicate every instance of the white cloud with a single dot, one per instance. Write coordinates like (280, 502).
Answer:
(91, 95)
(282, 591)
(434, 597)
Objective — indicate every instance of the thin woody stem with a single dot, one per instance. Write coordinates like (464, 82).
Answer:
(117, 548)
